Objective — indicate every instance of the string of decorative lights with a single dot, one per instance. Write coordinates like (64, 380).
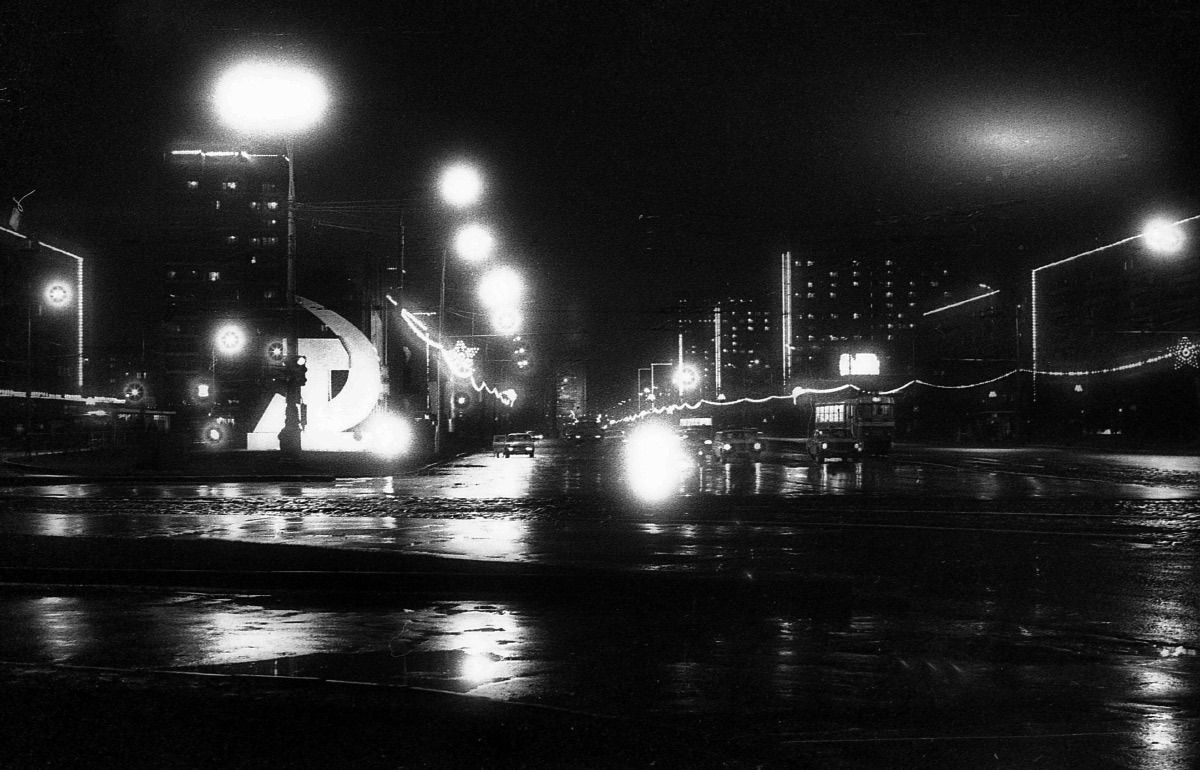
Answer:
(454, 359)
(1185, 353)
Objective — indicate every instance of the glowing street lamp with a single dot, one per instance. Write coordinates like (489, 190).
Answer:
(1163, 236)
(686, 378)
(501, 289)
(270, 98)
(474, 243)
(275, 99)
(229, 340)
(506, 321)
(461, 185)
(58, 294)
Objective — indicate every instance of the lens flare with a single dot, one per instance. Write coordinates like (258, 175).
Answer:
(387, 436)
(654, 460)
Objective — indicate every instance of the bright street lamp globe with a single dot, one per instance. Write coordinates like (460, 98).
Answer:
(267, 98)
(1163, 236)
(474, 243)
(461, 185)
(686, 377)
(230, 340)
(506, 321)
(57, 294)
(501, 288)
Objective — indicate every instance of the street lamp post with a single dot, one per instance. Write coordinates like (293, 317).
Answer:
(461, 185)
(278, 100)
(652, 389)
(1159, 235)
(56, 295)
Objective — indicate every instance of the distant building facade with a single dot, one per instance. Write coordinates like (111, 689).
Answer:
(832, 304)
(570, 402)
(731, 343)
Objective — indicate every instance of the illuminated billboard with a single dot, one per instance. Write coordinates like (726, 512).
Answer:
(852, 364)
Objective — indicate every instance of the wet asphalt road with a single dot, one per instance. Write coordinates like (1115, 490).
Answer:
(1033, 607)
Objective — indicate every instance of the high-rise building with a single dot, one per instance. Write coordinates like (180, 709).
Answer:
(730, 343)
(223, 258)
(570, 395)
(853, 305)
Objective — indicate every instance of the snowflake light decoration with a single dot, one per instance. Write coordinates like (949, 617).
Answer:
(1186, 353)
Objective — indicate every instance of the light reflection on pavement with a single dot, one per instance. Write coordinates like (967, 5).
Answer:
(807, 675)
(984, 600)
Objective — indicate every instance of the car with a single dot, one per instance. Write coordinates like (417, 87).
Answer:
(513, 443)
(697, 442)
(826, 443)
(583, 430)
(740, 444)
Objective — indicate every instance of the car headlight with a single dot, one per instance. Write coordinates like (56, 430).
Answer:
(757, 445)
(824, 445)
(727, 447)
(858, 447)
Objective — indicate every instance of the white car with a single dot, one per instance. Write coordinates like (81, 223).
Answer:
(513, 443)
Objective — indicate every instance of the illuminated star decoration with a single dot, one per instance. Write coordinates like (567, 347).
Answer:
(1186, 353)
(460, 358)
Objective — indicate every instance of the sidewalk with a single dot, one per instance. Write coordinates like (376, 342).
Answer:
(198, 465)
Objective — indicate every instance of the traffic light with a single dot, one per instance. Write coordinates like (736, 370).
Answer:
(301, 371)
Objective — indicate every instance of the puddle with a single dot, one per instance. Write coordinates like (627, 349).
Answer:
(455, 670)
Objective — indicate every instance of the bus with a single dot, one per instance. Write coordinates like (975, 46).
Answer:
(868, 417)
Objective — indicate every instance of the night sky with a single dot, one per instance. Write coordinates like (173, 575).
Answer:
(636, 151)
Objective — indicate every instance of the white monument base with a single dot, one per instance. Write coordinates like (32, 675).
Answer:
(310, 440)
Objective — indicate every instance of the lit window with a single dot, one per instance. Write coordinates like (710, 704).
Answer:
(231, 239)
(229, 185)
(256, 241)
(268, 188)
(193, 184)
(272, 205)
(254, 205)
(272, 222)
(214, 276)
(253, 259)
(170, 274)
(217, 205)
(811, 295)
(271, 240)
